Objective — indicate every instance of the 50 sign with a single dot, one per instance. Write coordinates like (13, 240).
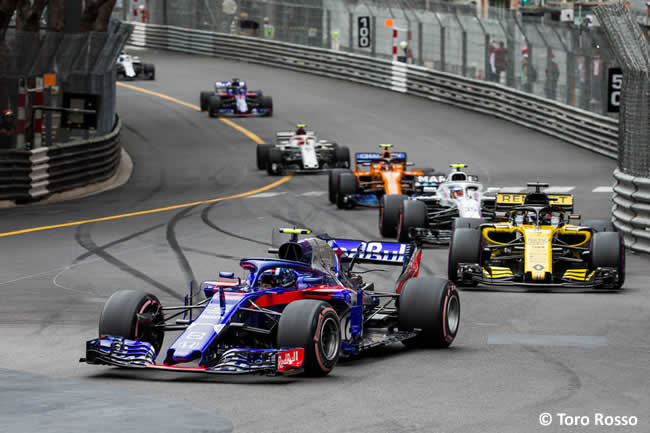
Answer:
(614, 88)
(364, 32)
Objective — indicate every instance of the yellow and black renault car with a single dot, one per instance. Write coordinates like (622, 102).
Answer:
(538, 242)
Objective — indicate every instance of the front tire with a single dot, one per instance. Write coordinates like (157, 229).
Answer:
(203, 99)
(262, 154)
(608, 250)
(123, 317)
(315, 326)
(149, 71)
(274, 165)
(214, 105)
(413, 214)
(348, 185)
(431, 304)
(333, 183)
(389, 207)
(468, 223)
(267, 102)
(465, 247)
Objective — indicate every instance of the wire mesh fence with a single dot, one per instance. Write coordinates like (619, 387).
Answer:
(631, 49)
(559, 61)
(84, 63)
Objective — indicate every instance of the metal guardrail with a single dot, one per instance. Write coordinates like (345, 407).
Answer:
(582, 128)
(29, 175)
(631, 211)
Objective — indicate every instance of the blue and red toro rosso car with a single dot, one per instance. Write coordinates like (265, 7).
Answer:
(232, 98)
(296, 314)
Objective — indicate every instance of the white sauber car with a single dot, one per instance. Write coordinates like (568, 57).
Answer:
(131, 67)
(301, 152)
(459, 201)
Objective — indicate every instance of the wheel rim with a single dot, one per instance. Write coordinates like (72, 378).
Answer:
(330, 338)
(453, 314)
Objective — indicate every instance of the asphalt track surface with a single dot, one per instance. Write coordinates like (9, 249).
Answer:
(498, 376)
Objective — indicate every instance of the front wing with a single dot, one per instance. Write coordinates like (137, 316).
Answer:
(122, 352)
(600, 278)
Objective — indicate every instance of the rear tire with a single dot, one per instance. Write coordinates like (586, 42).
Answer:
(333, 183)
(465, 247)
(214, 104)
(608, 250)
(315, 326)
(203, 99)
(120, 317)
(389, 207)
(348, 185)
(431, 304)
(413, 214)
(342, 155)
(262, 154)
(274, 165)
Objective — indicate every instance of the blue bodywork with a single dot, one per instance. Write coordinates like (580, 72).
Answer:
(211, 339)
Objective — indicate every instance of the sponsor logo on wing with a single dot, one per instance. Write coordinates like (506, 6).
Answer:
(379, 251)
(290, 359)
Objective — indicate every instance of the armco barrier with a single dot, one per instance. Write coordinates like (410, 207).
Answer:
(582, 128)
(28, 175)
(631, 211)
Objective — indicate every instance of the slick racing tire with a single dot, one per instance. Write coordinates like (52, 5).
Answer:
(389, 207)
(149, 71)
(315, 326)
(267, 102)
(599, 225)
(125, 315)
(214, 104)
(348, 185)
(468, 223)
(274, 165)
(607, 250)
(342, 155)
(262, 154)
(204, 98)
(431, 304)
(465, 247)
(333, 183)
(413, 214)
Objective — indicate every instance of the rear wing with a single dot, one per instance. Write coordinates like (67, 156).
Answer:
(285, 137)
(505, 201)
(378, 252)
(361, 158)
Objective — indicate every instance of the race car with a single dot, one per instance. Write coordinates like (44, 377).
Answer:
(301, 152)
(131, 67)
(540, 243)
(232, 98)
(298, 313)
(376, 177)
(429, 217)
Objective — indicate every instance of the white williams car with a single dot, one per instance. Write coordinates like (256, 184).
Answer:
(130, 67)
(458, 201)
(301, 152)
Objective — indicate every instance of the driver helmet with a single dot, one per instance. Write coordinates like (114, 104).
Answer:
(287, 279)
(268, 280)
(300, 129)
(456, 192)
(531, 218)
